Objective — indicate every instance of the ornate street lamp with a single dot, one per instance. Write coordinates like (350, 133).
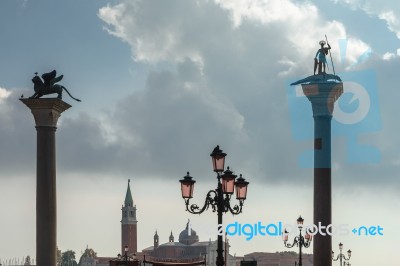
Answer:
(126, 254)
(300, 240)
(341, 256)
(218, 199)
(125, 258)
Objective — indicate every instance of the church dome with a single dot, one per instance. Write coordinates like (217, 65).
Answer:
(188, 238)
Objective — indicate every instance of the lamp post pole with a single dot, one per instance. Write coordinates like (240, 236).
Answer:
(218, 199)
(220, 259)
(299, 241)
(341, 256)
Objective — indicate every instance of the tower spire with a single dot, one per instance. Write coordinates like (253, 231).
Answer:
(128, 196)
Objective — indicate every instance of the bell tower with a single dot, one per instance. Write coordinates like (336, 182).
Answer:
(129, 223)
(156, 240)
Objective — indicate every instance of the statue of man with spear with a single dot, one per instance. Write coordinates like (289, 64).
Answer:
(321, 63)
(320, 58)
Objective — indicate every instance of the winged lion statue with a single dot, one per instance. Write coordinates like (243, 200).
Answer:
(48, 85)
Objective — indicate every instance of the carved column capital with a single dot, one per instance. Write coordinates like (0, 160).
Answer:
(46, 111)
(322, 97)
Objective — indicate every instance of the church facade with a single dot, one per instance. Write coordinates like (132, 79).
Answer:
(188, 249)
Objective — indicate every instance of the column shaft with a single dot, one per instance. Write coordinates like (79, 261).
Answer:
(322, 97)
(46, 113)
(46, 203)
(322, 246)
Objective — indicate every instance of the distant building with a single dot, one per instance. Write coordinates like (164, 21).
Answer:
(188, 250)
(287, 258)
(248, 263)
(128, 235)
(129, 224)
(89, 261)
(104, 261)
(88, 258)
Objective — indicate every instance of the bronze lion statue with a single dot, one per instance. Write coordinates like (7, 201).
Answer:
(48, 86)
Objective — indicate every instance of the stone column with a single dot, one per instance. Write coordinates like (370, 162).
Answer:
(322, 97)
(46, 113)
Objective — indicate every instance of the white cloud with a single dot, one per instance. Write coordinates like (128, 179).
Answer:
(4, 93)
(392, 21)
(286, 62)
(388, 56)
(386, 10)
(357, 52)
(153, 35)
(301, 25)
(161, 32)
(266, 12)
(6, 109)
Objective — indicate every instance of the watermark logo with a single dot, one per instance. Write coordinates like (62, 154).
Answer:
(356, 113)
(251, 230)
(368, 230)
(278, 229)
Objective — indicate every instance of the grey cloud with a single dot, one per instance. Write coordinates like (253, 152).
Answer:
(221, 85)
(18, 136)
(156, 130)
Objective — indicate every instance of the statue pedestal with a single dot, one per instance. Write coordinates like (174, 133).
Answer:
(322, 96)
(46, 113)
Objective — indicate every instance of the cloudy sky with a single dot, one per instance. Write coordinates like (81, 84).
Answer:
(163, 82)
